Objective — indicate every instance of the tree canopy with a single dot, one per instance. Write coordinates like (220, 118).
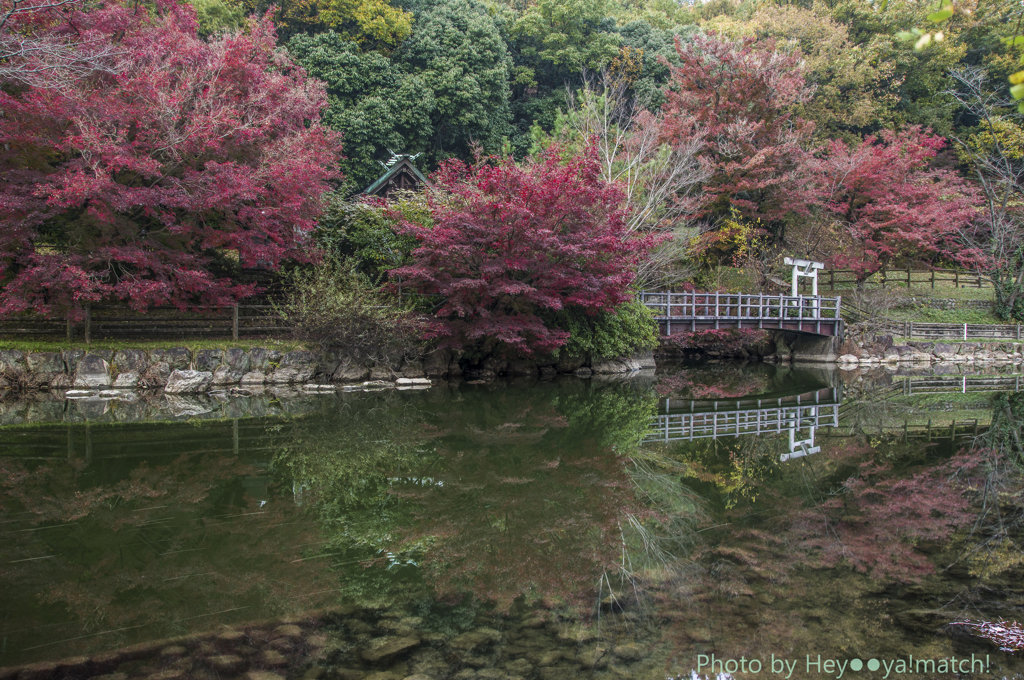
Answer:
(143, 182)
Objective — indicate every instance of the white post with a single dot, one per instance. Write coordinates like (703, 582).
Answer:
(808, 268)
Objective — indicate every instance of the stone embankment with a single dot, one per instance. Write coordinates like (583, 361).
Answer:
(181, 371)
(883, 351)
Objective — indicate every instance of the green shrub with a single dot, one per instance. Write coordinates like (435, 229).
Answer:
(362, 232)
(337, 308)
(630, 328)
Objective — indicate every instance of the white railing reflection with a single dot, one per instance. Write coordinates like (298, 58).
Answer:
(688, 421)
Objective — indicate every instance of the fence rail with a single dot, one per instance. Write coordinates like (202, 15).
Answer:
(948, 331)
(834, 279)
(116, 321)
(962, 384)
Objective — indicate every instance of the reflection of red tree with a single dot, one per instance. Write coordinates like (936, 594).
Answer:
(876, 521)
(876, 524)
(701, 384)
(522, 503)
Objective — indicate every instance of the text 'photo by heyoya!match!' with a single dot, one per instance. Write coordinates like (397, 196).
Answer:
(815, 664)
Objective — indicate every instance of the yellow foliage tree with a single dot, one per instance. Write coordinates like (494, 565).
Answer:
(368, 21)
(374, 24)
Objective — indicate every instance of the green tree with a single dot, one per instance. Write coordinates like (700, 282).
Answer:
(917, 77)
(443, 90)
(574, 34)
(658, 46)
(363, 232)
(371, 100)
(373, 23)
(218, 16)
(461, 59)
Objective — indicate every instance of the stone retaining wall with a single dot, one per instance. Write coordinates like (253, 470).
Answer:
(182, 371)
(882, 350)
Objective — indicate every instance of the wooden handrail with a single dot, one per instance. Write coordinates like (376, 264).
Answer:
(741, 306)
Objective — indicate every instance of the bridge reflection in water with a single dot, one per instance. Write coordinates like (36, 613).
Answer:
(799, 415)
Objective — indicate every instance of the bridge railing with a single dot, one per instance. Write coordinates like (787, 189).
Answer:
(741, 306)
(688, 426)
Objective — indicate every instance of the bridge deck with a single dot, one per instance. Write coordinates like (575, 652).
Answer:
(690, 312)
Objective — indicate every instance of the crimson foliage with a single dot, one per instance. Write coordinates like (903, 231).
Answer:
(892, 204)
(131, 182)
(511, 241)
(740, 96)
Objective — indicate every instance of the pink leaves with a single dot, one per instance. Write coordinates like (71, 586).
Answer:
(188, 146)
(510, 242)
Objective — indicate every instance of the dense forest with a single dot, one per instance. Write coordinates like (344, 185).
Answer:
(153, 148)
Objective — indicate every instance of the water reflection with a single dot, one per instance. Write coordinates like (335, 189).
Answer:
(519, 492)
(798, 416)
(681, 516)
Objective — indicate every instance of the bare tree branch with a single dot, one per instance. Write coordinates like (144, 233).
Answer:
(999, 171)
(662, 183)
(32, 55)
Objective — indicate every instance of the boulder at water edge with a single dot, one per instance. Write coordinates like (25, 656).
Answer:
(188, 382)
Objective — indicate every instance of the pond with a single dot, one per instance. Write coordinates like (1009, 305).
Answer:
(758, 520)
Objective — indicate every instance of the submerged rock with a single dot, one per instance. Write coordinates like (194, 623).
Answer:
(594, 657)
(386, 647)
(470, 640)
(288, 630)
(227, 663)
(273, 658)
(628, 652)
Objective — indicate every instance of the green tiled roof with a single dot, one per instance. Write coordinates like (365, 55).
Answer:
(398, 163)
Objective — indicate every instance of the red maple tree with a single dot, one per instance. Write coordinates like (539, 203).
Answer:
(739, 96)
(892, 204)
(511, 241)
(129, 181)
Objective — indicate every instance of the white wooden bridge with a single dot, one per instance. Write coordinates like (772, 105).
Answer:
(691, 312)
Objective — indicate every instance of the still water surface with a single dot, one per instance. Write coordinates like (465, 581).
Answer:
(634, 529)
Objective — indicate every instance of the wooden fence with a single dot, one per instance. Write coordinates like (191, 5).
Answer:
(256, 319)
(78, 441)
(948, 331)
(834, 279)
(962, 384)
